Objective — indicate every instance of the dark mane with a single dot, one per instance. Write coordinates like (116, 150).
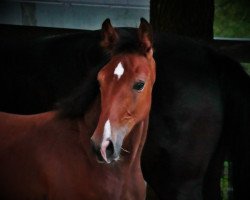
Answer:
(75, 105)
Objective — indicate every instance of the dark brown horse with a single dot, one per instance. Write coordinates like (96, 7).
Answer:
(97, 156)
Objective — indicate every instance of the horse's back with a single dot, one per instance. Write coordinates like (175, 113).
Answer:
(30, 149)
(14, 127)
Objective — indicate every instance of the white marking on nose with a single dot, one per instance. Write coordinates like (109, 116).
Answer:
(107, 131)
(119, 70)
(105, 140)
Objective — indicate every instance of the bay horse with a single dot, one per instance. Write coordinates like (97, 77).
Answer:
(200, 109)
(94, 156)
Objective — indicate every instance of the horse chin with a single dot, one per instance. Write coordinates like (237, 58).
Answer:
(100, 159)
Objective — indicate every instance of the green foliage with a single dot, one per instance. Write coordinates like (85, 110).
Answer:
(246, 67)
(224, 181)
(232, 18)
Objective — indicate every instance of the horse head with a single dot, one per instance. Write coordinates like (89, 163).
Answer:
(126, 83)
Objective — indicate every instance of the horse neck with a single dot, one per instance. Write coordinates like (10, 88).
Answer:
(87, 125)
(88, 122)
(135, 141)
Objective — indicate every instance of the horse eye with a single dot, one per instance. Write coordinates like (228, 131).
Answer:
(139, 86)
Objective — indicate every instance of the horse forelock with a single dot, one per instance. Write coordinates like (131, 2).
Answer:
(128, 42)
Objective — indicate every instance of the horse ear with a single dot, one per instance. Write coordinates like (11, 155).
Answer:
(109, 35)
(145, 34)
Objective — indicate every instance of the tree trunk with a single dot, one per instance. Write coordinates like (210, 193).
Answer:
(192, 18)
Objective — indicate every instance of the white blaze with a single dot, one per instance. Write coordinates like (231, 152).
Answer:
(119, 70)
(105, 141)
(107, 131)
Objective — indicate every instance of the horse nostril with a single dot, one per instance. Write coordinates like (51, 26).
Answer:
(104, 151)
(110, 149)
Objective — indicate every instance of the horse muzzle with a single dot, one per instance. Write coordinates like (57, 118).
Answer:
(105, 152)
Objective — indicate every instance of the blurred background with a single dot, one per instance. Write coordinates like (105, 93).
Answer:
(78, 14)
(231, 17)
(225, 21)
